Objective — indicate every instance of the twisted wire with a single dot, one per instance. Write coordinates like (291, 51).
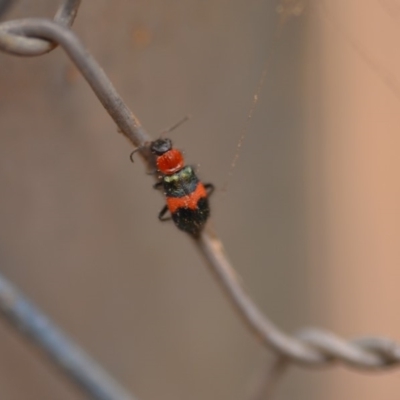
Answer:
(312, 347)
(21, 45)
(54, 34)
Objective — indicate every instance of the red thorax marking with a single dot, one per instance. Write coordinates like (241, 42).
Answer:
(170, 162)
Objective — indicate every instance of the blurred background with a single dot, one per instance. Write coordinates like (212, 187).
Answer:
(310, 218)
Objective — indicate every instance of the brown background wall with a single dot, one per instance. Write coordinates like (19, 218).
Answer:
(355, 198)
(79, 232)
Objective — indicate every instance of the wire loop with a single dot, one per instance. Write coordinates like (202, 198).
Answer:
(14, 43)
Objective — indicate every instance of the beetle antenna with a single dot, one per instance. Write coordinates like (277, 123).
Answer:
(133, 152)
(179, 123)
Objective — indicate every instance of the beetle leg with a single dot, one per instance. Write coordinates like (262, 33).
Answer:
(210, 188)
(162, 213)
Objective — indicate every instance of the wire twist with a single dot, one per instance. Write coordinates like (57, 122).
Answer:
(311, 347)
(20, 45)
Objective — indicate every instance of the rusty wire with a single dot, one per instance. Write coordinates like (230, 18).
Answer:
(311, 347)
